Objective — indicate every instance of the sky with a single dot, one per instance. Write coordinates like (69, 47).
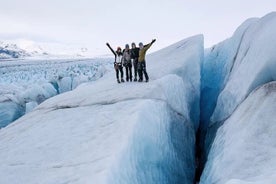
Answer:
(90, 23)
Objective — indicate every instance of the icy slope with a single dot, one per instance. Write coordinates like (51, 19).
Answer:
(244, 149)
(230, 72)
(104, 132)
(234, 68)
(253, 66)
(216, 68)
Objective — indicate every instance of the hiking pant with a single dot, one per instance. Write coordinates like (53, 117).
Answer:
(128, 67)
(119, 68)
(142, 70)
(135, 65)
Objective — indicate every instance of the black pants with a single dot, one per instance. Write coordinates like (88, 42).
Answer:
(128, 67)
(135, 65)
(119, 68)
(142, 70)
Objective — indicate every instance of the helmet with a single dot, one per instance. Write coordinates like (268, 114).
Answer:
(127, 46)
(119, 48)
(141, 44)
(133, 44)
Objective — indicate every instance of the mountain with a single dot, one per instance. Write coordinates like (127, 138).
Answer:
(205, 116)
(28, 49)
(8, 51)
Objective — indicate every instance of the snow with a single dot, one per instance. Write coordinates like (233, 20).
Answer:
(244, 149)
(33, 81)
(104, 132)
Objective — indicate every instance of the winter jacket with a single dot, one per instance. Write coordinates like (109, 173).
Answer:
(126, 57)
(118, 56)
(142, 52)
(134, 53)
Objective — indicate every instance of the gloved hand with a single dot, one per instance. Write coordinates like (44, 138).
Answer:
(153, 41)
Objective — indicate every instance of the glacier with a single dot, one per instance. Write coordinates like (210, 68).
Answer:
(249, 65)
(206, 116)
(102, 132)
(244, 148)
(24, 84)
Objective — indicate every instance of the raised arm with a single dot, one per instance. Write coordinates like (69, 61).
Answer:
(111, 49)
(149, 45)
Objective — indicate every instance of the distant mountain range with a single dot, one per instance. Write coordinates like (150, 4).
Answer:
(9, 50)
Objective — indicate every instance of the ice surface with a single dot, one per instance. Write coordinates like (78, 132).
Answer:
(254, 65)
(104, 132)
(234, 68)
(216, 68)
(9, 111)
(244, 148)
(33, 81)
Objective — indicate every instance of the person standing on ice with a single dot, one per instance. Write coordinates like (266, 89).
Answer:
(134, 57)
(142, 61)
(127, 63)
(118, 62)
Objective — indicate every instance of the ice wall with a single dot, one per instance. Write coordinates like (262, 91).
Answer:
(231, 71)
(254, 65)
(233, 68)
(244, 148)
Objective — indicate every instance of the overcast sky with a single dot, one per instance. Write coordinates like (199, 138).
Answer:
(92, 23)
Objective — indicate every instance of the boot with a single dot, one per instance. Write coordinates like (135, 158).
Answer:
(122, 80)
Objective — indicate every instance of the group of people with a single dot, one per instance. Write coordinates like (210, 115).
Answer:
(128, 57)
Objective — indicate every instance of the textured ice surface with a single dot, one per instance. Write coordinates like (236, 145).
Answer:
(27, 83)
(244, 148)
(253, 66)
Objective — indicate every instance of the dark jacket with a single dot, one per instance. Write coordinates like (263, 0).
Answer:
(134, 53)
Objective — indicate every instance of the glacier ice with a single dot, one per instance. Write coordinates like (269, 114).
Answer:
(215, 70)
(9, 111)
(31, 82)
(254, 65)
(102, 132)
(246, 60)
(244, 147)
